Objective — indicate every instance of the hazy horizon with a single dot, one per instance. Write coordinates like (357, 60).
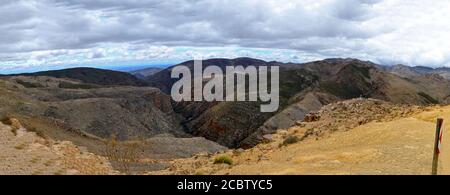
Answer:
(122, 68)
(135, 67)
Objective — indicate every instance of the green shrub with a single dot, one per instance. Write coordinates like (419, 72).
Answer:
(291, 139)
(5, 120)
(223, 160)
(123, 155)
(28, 84)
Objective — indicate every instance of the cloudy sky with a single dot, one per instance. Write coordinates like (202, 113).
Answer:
(52, 34)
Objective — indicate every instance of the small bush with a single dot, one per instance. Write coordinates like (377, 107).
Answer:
(5, 120)
(28, 84)
(123, 154)
(199, 173)
(14, 123)
(291, 139)
(48, 163)
(223, 160)
(34, 160)
(37, 132)
(20, 147)
(59, 172)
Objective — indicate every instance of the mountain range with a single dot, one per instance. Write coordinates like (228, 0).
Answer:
(407, 71)
(304, 88)
(84, 104)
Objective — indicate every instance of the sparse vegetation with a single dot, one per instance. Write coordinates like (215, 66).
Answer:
(199, 173)
(122, 154)
(5, 120)
(20, 147)
(34, 160)
(29, 84)
(341, 90)
(48, 163)
(428, 98)
(37, 132)
(15, 125)
(59, 172)
(355, 68)
(68, 85)
(291, 139)
(223, 160)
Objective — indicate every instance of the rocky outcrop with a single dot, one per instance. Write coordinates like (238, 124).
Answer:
(393, 140)
(25, 153)
(88, 114)
(310, 102)
(344, 115)
(126, 112)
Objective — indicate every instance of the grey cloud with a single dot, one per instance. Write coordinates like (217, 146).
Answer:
(335, 27)
(356, 10)
(84, 23)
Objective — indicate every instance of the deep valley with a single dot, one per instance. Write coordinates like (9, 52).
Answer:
(97, 109)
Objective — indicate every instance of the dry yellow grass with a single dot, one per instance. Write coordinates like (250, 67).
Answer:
(25, 153)
(401, 146)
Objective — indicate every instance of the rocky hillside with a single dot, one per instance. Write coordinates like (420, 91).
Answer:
(86, 108)
(408, 71)
(87, 114)
(26, 153)
(304, 88)
(97, 110)
(163, 80)
(354, 137)
(92, 75)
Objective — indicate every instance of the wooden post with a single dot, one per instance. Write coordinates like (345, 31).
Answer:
(439, 123)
